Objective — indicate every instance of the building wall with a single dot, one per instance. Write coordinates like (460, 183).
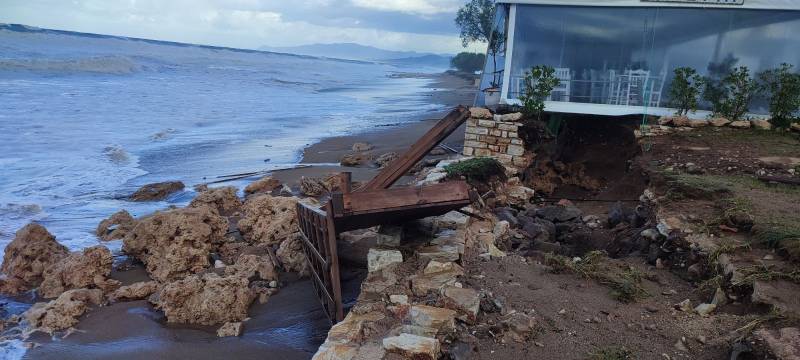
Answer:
(495, 136)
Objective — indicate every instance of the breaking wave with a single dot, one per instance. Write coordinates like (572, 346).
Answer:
(102, 65)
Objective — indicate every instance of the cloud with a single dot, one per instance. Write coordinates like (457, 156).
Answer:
(423, 7)
(420, 25)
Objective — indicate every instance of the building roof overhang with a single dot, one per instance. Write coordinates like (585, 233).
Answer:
(725, 4)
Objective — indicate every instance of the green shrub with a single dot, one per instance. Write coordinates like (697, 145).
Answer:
(538, 85)
(784, 89)
(468, 62)
(685, 89)
(737, 90)
(480, 169)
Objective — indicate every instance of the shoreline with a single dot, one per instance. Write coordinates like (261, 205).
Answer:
(292, 321)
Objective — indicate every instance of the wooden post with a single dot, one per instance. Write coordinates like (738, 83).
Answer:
(346, 182)
(333, 257)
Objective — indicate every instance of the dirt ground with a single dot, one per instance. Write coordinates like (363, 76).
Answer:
(706, 179)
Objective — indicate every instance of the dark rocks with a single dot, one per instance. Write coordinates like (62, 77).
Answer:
(507, 214)
(557, 213)
(156, 191)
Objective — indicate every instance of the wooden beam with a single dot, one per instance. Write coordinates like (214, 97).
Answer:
(336, 283)
(411, 196)
(400, 166)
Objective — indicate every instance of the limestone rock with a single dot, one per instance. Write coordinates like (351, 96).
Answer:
(115, 227)
(441, 253)
(784, 344)
(435, 277)
(269, 219)
(665, 120)
(518, 326)
(310, 186)
(136, 291)
(354, 159)
(741, 124)
(263, 185)
(156, 191)
(480, 113)
(519, 195)
(780, 294)
(175, 243)
(380, 259)
(63, 312)
(440, 319)
(680, 121)
(292, 256)
(362, 146)
(230, 329)
(83, 269)
(511, 117)
(464, 300)
(719, 122)
(32, 251)
(705, 309)
(253, 267)
(413, 346)
(761, 124)
(695, 123)
(386, 159)
(224, 200)
(207, 299)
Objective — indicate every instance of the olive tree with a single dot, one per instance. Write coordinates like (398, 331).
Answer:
(784, 90)
(538, 84)
(476, 21)
(684, 90)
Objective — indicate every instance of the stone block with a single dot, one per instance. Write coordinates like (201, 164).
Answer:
(465, 301)
(468, 151)
(508, 117)
(507, 127)
(474, 144)
(482, 152)
(495, 132)
(487, 123)
(441, 319)
(413, 346)
(477, 130)
(516, 150)
(516, 141)
(379, 259)
(480, 113)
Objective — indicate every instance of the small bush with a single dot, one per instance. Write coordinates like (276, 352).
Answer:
(480, 169)
(538, 85)
(685, 89)
(468, 62)
(737, 90)
(624, 282)
(784, 89)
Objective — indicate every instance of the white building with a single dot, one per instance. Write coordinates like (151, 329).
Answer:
(617, 57)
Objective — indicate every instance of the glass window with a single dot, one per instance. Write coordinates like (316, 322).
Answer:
(626, 56)
(492, 78)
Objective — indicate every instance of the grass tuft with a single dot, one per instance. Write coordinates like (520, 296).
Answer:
(480, 169)
(611, 353)
(624, 281)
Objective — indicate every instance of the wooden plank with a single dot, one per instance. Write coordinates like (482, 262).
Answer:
(382, 200)
(346, 182)
(335, 279)
(400, 166)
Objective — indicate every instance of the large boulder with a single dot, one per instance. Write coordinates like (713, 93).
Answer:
(63, 312)
(224, 200)
(310, 186)
(263, 185)
(115, 227)
(32, 251)
(386, 159)
(175, 243)
(269, 219)
(82, 269)
(207, 299)
(292, 256)
(156, 191)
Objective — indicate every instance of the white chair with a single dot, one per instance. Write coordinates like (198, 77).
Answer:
(564, 88)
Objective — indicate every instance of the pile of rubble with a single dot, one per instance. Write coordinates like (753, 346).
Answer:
(208, 262)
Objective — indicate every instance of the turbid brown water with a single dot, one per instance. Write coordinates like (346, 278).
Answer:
(291, 325)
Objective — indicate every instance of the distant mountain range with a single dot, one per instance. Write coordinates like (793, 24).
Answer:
(351, 51)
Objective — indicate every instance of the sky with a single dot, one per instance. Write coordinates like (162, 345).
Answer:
(416, 25)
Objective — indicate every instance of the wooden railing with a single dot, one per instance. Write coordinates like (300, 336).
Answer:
(319, 244)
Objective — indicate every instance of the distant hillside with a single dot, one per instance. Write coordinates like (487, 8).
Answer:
(353, 51)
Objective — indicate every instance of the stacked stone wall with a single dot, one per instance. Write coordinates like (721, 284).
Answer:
(495, 136)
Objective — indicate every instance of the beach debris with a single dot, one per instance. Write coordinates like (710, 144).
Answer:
(230, 329)
(207, 299)
(362, 146)
(269, 219)
(253, 267)
(32, 251)
(176, 243)
(310, 186)
(413, 346)
(290, 254)
(385, 159)
(223, 200)
(136, 291)
(63, 312)
(81, 269)
(264, 185)
(354, 159)
(156, 191)
(378, 259)
(115, 227)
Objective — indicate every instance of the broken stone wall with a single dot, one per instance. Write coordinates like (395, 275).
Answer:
(495, 136)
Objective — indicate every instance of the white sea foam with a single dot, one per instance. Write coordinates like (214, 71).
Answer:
(12, 349)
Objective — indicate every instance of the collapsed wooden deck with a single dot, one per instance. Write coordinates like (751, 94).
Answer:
(376, 203)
